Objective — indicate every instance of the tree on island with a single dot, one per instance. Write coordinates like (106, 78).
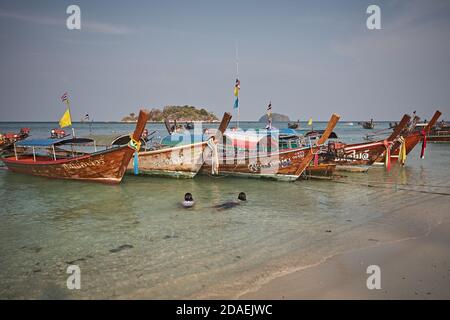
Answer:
(184, 113)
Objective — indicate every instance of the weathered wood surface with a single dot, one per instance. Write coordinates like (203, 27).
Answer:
(412, 139)
(285, 165)
(184, 161)
(106, 166)
(366, 153)
(181, 161)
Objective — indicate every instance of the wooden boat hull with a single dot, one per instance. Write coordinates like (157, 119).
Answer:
(179, 162)
(439, 136)
(106, 166)
(363, 154)
(182, 161)
(411, 140)
(282, 166)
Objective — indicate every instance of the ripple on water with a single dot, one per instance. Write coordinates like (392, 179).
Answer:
(168, 251)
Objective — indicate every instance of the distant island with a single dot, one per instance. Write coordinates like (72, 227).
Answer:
(180, 113)
(276, 117)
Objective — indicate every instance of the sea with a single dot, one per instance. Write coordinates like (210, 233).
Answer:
(135, 240)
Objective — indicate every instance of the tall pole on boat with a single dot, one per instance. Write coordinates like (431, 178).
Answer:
(237, 77)
(66, 119)
(70, 112)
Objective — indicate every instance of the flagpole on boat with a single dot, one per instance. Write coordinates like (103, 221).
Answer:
(70, 112)
(237, 77)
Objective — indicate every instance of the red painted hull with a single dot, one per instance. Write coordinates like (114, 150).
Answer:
(359, 154)
(106, 167)
(439, 136)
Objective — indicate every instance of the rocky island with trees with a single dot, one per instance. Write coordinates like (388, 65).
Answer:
(276, 117)
(180, 113)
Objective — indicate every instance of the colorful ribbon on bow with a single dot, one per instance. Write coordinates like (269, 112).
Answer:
(402, 151)
(136, 146)
(424, 144)
(387, 145)
(316, 159)
(214, 155)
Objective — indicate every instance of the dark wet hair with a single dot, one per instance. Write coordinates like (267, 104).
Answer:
(188, 197)
(242, 196)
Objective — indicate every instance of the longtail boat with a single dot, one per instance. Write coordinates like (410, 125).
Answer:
(368, 124)
(361, 154)
(183, 161)
(282, 165)
(410, 140)
(439, 133)
(106, 166)
(7, 140)
(294, 125)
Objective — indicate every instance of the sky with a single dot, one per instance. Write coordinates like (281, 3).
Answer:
(309, 58)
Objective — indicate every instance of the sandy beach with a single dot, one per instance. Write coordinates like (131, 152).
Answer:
(416, 266)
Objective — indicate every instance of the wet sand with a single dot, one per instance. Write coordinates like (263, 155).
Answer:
(412, 267)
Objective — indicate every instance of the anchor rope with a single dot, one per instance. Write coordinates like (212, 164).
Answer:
(396, 188)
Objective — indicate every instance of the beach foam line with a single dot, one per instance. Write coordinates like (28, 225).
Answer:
(290, 270)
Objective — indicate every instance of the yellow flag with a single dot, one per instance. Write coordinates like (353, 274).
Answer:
(65, 120)
(310, 122)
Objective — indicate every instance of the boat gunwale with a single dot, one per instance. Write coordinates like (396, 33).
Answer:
(13, 160)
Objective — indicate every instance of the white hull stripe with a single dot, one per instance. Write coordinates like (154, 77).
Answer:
(364, 146)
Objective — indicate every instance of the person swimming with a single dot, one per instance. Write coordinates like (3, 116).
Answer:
(188, 200)
(231, 204)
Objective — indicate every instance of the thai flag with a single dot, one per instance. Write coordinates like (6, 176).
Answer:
(65, 97)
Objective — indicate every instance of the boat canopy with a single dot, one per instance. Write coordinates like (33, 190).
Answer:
(176, 139)
(333, 134)
(52, 142)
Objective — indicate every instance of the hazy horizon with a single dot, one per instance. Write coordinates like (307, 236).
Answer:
(309, 58)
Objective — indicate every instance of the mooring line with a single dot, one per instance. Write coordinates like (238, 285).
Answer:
(402, 189)
(403, 184)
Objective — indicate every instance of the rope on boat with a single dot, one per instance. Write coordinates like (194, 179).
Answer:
(214, 156)
(378, 133)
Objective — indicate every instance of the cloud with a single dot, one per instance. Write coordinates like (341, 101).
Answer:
(99, 27)
(86, 25)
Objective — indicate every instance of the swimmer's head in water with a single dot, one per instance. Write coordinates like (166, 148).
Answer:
(242, 196)
(188, 200)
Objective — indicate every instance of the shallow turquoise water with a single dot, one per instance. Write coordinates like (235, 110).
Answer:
(171, 252)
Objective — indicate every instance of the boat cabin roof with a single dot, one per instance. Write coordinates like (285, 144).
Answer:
(333, 134)
(52, 142)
